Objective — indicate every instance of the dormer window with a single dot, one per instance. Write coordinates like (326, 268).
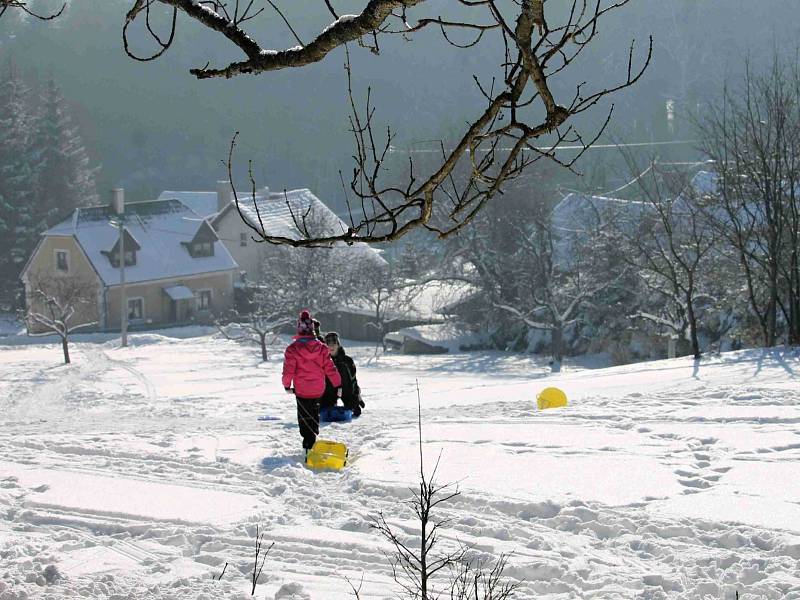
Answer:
(203, 242)
(130, 258)
(202, 249)
(131, 248)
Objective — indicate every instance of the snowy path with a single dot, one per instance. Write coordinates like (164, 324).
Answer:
(141, 472)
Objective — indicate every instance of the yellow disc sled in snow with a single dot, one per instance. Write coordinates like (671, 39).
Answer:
(551, 397)
(327, 455)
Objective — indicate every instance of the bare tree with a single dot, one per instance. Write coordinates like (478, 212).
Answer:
(56, 307)
(255, 327)
(382, 289)
(753, 135)
(261, 555)
(538, 45)
(22, 6)
(672, 250)
(415, 569)
(537, 272)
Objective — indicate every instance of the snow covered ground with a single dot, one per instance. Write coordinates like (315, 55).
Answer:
(141, 472)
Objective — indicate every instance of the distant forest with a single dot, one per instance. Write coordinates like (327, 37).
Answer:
(153, 126)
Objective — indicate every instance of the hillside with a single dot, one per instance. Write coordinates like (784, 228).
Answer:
(140, 472)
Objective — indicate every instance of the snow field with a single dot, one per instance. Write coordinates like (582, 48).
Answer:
(141, 472)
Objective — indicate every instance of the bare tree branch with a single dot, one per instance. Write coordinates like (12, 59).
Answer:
(495, 147)
(22, 5)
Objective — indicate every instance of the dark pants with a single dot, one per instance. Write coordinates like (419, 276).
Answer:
(308, 420)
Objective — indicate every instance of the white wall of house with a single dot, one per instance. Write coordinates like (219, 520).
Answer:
(238, 239)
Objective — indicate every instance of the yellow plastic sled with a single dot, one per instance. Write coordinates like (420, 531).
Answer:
(551, 397)
(327, 455)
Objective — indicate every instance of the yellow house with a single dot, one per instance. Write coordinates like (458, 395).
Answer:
(177, 271)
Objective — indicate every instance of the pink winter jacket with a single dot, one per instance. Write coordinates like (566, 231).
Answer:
(307, 362)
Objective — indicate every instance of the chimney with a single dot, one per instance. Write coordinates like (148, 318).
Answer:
(223, 194)
(118, 200)
(264, 191)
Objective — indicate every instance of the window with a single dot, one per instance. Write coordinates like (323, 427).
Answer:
(204, 300)
(243, 239)
(203, 249)
(130, 258)
(135, 309)
(62, 261)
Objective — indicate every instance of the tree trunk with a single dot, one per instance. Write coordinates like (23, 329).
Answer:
(557, 347)
(65, 348)
(692, 329)
(423, 550)
(772, 314)
(264, 356)
(794, 300)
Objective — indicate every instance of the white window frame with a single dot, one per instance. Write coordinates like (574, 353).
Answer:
(137, 319)
(210, 299)
(55, 259)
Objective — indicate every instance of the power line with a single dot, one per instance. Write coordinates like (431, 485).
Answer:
(392, 149)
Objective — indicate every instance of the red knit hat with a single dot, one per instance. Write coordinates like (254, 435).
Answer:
(305, 324)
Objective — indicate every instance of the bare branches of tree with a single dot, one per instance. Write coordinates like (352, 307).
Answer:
(521, 109)
(672, 248)
(414, 569)
(416, 560)
(261, 555)
(753, 135)
(22, 6)
(60, 306)
(472, 581)
(255, 327)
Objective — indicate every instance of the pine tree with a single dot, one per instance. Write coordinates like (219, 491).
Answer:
(19, 226)
(64, 179)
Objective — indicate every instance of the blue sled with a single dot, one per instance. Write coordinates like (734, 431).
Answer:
(335, 413)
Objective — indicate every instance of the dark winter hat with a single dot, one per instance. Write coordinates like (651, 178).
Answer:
(332, 337)
(305, 324)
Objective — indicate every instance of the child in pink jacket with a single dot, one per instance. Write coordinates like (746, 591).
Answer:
(306, 363)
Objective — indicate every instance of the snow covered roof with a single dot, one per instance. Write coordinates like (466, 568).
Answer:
(272, 213)
(161, 228)
(179, 292)
(577, 210)
(451, 336)
(203, 203)
(705, 183)
(278, 213)
(419, 301)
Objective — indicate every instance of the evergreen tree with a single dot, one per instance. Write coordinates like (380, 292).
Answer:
(19, 226)
(64, 180)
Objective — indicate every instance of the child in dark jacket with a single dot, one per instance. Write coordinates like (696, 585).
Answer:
(307, 363)
(350, 392)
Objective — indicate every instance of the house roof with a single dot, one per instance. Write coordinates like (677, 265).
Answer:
(279, 213)
(576, 211)
(159, 226)
(427, 301)
(274, 212)
(203, 203)
(451, 336)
